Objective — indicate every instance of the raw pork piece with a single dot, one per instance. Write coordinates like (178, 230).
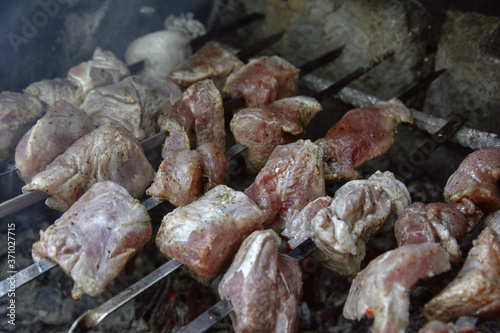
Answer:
(96, 237)
(206, 234)
(263, 81)
(475, 292)
(263, 129)
(161, 52)
(436, 326)
(383, 287)
(185, 175)
(476, 180)
(264, 286)
(493, 221)
(435, 223)
(292, 177)
(58, 129)
(361, 135)
(358, 209)
(108, 153)
(17, 113)
(212, 61)
(134, 103)
(195, 119)
(103, 69)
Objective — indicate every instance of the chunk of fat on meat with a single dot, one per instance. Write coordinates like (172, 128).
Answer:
(262, 129)
(263, 285)
(96, 237)
(103, 69)
(213, 61)
(383, 287)
(263, 80)
(358, 209)
(52, 134)
(133, 103)
(161, 52)
(17, 113)
(206, 234)
(361, 135)
(108, 153)
(292, 177)
(53, 90)
(476, 179)
(179, 178)
(475, 291)
(197, 118)
(435, 222)
(493, 221)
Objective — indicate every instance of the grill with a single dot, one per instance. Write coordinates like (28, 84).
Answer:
(44, 39)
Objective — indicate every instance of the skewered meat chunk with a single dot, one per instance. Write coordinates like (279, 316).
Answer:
(108, 153)
(206, 234)
(358, 209)
(195, 119)
(134, 103)
(103, 69)
(476, 180)
(263, 129)
(436, 326)
(382, 288)
(493, 221)
(292, 177)
(435, 223)
(263, 81)
(96, 237)
(361, 135)
(58, 129)
(215, 164)
(17, 112)
(212, 61)
(476, 289)
(264, 286)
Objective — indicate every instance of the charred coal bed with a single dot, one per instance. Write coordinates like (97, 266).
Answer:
(43, 39)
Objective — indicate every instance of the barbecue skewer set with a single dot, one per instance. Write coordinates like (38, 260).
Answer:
(212, 222)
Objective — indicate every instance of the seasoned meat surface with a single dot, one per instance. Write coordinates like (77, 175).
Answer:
(383, 287)
(436, 223)
(262, 129)
(133, 103)
(206, 234)
(475, 292)
(476, 180)
(108, 153)
(292, 177)
(263, 81)
(361, 135)
(212, 61)
(103, 69)
(263, 285)
(17, 112)
(195, 119)
(95, 238)
(358, 209)
(53, 90)
(58, 129)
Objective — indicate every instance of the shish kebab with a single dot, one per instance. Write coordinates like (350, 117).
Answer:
(25, 276)
(93, 314)
(24, 200)
(103, 69)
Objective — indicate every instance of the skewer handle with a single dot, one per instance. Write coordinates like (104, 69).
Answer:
(26, 275)
(209, 318)
(91, 318)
